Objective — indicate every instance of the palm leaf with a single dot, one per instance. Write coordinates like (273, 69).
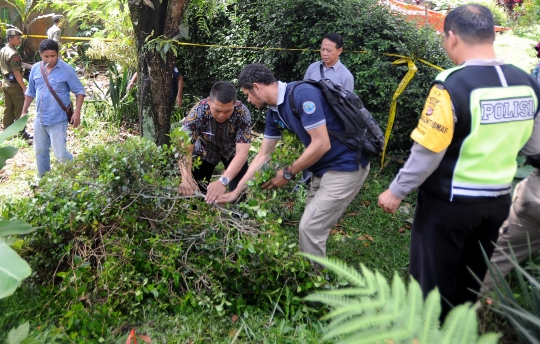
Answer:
(14, 227)
(6, 153)
(13, 129)
(13, 269)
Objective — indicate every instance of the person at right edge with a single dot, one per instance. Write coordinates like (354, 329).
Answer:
(13, 85)
(477, 118)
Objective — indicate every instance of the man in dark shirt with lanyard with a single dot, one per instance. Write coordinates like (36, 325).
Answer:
(337, 178)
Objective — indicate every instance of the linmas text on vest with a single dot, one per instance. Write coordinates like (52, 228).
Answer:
(431, 123)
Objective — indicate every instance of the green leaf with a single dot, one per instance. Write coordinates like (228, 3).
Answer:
(17, 335)
(489, 338)
(13, 129)
(523, 172)
(14, 227)
(6, 153)
(13, 269)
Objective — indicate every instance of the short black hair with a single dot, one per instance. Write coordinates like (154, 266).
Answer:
(224, 92)
(334, 37)
(48, 44)
(255, 73)
(473, 23)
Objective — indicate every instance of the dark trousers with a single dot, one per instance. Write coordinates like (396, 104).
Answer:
(445, 245)
(203, 173)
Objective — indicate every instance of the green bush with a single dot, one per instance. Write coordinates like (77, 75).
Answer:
(115, 237)
(365, 26)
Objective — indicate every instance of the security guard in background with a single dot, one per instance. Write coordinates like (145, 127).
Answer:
(13, 84)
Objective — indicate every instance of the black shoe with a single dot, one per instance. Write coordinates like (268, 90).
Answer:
(25, 135)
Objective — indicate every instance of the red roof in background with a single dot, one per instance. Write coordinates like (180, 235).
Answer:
(417, 14)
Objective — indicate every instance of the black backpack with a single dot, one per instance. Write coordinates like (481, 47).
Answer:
(362, 133)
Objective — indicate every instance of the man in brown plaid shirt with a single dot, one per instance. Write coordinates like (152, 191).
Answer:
(220, 130)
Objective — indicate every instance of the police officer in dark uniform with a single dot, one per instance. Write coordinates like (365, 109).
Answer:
(13, 85)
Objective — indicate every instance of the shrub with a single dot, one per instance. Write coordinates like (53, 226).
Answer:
(114, 235)
(365, 26)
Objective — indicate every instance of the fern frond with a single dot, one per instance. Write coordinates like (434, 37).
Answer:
(349, 310)
(461, 325)
(489, 338)
(383, 288)
(430, 316)
(355, 324)
(339, 267)
(348, 292)
(400, 335)
(360, 307)
(415, 301)
(454, 323)
(369, 277)
(334, 301)
(399, 293)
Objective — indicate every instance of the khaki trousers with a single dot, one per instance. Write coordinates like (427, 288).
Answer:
(327, 199)
(13, 102)
(523, 222)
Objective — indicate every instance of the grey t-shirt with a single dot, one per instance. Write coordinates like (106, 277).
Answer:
(338, 73)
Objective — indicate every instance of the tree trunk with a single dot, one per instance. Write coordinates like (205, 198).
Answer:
(155, 75)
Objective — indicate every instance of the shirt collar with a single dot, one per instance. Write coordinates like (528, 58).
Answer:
(335, 67)
(282, 89)
(491, 62)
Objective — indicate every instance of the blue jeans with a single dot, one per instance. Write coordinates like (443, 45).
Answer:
(46, 136)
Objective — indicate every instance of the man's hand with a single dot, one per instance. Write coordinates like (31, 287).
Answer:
(278, 181)
(389, 202)
(179, 101)
(228, 197)
(76, 119)
(214, 190)
(186, 189)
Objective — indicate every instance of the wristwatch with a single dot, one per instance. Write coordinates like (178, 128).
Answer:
(224, 180)
(287, 174)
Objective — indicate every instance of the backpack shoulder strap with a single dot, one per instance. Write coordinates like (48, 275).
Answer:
(321, 68)
(292, 105)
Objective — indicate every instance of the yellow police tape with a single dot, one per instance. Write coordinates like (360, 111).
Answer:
(404, 82)
(72, 38)
(402, 59)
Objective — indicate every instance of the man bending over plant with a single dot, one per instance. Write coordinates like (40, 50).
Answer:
(337, 177)
(477, 118)
(220, 130)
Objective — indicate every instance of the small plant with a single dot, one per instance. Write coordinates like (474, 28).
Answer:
(13, 269)
(372, 311)
(519, 305)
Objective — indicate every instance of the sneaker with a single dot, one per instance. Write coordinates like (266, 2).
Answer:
(25, 135)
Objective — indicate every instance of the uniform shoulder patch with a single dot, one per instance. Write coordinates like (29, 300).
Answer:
(309, 107)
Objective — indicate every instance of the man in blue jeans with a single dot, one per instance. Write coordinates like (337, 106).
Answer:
(50, 125)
